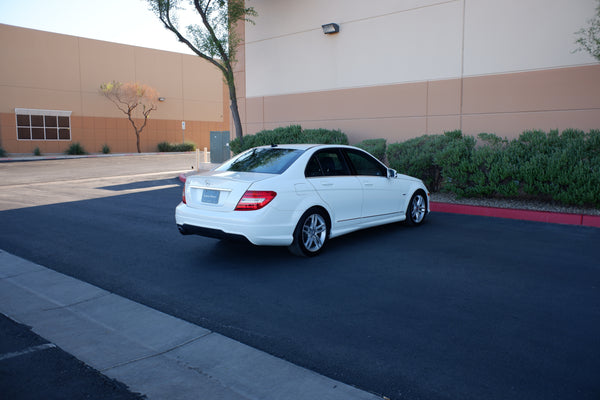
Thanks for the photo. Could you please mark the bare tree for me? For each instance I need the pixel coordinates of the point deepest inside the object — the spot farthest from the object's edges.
(132, 99)
(215, 40)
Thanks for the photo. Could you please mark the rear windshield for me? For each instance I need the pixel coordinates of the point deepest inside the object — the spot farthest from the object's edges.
(264, 160)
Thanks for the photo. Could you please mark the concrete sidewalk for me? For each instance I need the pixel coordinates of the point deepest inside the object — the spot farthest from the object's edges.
(154, 354)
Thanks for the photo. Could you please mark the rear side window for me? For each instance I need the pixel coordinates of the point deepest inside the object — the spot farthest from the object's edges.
(326, 163)
(263, 160)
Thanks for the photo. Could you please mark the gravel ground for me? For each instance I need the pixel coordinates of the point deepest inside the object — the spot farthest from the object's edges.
(515, 204)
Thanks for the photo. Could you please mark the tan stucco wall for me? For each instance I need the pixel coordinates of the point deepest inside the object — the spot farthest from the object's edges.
(503, 104)
(42, 70)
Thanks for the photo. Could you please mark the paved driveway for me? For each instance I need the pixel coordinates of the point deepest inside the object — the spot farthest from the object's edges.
(461, 308)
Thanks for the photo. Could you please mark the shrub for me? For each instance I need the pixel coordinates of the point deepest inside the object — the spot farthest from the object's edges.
(75, 149)
(187, 146)
(166, 147)
(546, 166)
(286, 135)
(561, 167)
(105, 149)
(455, 162)
(415, 157)
(37, 151)
(323, 136)
(2, 152)
(476, 171)
(376, 147)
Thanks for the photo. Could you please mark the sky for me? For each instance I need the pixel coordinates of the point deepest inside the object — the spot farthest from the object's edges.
(120, 21)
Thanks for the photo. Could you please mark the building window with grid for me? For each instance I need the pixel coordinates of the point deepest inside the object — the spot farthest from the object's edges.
(43, 124)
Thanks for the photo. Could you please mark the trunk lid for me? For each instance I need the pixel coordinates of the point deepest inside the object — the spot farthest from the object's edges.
(219, 190)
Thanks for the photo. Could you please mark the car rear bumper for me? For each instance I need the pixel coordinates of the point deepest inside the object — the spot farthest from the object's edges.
(267, 227)
(186, 229)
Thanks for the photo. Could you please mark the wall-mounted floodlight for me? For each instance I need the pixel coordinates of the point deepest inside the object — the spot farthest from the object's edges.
(161, 99)
(330, 28)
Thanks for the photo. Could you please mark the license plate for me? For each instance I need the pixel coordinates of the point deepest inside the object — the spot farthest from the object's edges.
(210, 196)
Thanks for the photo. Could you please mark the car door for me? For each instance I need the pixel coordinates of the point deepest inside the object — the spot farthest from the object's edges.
(328, 172)
(383, 197)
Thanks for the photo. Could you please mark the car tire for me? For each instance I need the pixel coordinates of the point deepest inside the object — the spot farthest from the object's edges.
(310, 234)
(417, 209)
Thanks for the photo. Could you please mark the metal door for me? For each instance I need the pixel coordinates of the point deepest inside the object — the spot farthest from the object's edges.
(219, 146)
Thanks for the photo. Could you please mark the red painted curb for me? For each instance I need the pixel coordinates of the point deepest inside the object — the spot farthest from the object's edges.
(591, 220)
(525, 215)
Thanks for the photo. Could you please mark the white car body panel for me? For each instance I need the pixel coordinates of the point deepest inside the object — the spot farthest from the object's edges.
(343, 195)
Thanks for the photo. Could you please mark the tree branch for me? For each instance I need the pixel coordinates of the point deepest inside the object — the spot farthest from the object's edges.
(209, 28)
(170, 26)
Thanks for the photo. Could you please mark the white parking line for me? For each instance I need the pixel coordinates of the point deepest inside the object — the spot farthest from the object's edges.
(173, 174)
(29, 350)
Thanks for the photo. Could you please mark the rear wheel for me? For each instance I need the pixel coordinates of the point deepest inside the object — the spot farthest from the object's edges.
(310, 234)
(417, 209)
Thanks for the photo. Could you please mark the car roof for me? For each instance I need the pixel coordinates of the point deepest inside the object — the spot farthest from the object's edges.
(302, 146)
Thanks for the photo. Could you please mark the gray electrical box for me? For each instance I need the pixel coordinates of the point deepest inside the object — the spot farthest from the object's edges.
(219, 146)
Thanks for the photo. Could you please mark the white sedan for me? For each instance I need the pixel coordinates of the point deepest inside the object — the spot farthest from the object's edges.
(298, 196)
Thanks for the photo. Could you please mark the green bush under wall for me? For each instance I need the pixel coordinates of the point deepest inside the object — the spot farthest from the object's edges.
(75, 149)
(563, 168)
(166, 147)
(415, 157)
(287, 135)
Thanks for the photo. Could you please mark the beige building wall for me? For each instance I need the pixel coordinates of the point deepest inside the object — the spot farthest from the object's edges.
(47, 71)
(402, 68)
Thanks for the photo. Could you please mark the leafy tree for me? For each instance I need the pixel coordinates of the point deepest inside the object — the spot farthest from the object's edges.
(589, 37)
(132, 98)
(215, 40)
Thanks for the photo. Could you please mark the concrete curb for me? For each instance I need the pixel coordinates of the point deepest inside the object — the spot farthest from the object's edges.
(509, 213)
(69, 157)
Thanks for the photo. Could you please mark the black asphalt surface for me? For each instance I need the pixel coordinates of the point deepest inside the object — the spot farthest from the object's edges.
(463, 307)
(32, 368)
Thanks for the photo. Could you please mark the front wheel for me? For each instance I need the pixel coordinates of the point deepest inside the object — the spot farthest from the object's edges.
(417, 209)
(310, 234)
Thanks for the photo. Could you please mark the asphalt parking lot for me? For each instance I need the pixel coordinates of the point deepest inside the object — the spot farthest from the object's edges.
(33, 368)
(463, 307)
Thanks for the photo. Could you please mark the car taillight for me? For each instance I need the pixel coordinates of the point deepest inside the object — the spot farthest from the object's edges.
(183, 196)
(255, 200)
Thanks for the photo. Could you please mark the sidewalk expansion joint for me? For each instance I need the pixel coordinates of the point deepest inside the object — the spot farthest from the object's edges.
(156, 354)
(66, 306)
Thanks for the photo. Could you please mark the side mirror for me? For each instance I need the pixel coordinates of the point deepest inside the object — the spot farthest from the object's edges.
(391, 173)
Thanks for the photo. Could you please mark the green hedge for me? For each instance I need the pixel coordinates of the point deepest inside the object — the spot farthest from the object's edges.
(561, 167)
(75, 149)
(286, 135)
(415, 157)
(166, 147)
(545, 166)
